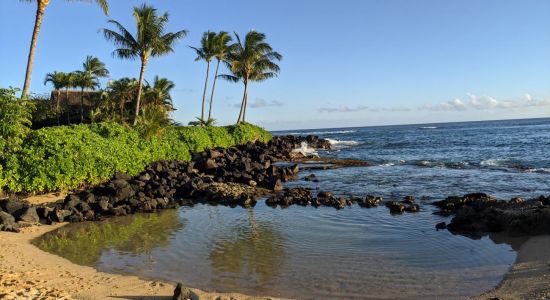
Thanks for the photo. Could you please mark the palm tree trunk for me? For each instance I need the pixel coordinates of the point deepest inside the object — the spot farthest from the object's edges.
(242, 103)
(205, 87)
(58, 92)
(67, 106)
(82, 105)
(245, 102)
(141, 73)
(213, 87)
(41, 8)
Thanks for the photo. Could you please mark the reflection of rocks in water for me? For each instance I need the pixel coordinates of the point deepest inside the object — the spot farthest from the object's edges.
(257, 250)
(83, 243)
(502, 238)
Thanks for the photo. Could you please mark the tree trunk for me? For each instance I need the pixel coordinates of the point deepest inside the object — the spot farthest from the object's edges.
(213, 87)
(67, 106)
(58, 92)
(242, 103)
(245, 102)
(82, 105)
(205, 87)
(41, 8)
(140, 87)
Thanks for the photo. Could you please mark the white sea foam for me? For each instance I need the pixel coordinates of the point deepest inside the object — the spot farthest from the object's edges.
(429, 127)
(493, 162)
(342, 144)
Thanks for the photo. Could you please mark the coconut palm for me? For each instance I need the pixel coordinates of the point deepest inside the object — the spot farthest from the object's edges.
(220, 51)
(40, 10)
(69, 82)
(251, 60)
(150, 41)
(57, 79)
(159, 94)
(122, 91)
(206, 53)
(88, 78)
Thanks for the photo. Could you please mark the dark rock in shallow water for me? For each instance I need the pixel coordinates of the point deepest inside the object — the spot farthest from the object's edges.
(181, 293)
(478, 214)
(370, 201)
(441, 226)
(395, 207)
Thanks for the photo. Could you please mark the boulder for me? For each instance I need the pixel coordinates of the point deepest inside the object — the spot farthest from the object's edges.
(30, 215)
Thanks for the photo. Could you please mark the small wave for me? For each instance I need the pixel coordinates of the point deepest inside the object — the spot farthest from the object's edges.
(429, 127)
(493, 162)
(323, 132)
(344, 143)
(538, 170)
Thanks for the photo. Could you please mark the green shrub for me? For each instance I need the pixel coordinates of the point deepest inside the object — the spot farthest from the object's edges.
(15, 121)
(67, 157)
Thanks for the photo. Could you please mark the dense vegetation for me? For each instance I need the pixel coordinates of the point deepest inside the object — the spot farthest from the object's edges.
(66, 157)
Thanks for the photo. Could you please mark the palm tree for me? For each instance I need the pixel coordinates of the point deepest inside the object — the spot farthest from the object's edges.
(57, 79)
(40, 10)
(159, 94)
(251, 60)
(206, 53)
(68, 82)
(151, 41)
(220, 51)
(122, 91)
(88, 78)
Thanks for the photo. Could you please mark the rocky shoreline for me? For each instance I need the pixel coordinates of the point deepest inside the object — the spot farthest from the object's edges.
(478, 214)
(242, 174)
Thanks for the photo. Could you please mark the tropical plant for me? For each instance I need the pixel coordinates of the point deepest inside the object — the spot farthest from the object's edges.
(57, 79)
(220, 51)
(251, 60)
(88, 78)
(159, 94)
(121, 92)
(206, 53)
(150, 41)
(69, 82)
(15, 121)
(40, 10)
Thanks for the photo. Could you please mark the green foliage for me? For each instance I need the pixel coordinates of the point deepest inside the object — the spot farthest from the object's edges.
(244, 132)
(67, 157)
(15, 121)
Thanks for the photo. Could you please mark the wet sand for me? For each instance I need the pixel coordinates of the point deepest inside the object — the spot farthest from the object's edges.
(27, 272)
(529, 277)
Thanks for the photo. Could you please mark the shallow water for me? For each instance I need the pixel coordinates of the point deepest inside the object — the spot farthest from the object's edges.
(355, 253)
(305, 253)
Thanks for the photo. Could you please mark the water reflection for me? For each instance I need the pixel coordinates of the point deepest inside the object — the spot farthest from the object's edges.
(257, 250)
(84, 243)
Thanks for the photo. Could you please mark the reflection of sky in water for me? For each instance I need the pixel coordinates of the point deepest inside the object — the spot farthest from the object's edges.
(310, 253)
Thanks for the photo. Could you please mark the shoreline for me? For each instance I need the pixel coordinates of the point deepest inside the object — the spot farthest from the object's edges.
(529, 276)
(28, 272)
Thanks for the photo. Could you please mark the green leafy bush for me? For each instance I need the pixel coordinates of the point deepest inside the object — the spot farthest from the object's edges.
(15, 121)
(67, 157)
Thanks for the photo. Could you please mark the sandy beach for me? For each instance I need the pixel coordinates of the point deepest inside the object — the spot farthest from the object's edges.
(26, 272)
(529, 277)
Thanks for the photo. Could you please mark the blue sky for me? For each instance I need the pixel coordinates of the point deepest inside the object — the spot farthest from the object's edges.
(346, 62)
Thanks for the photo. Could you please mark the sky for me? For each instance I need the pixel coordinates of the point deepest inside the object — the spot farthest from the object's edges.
(345, 63)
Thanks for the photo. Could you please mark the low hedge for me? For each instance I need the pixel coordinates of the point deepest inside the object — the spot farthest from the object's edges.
(67, 157)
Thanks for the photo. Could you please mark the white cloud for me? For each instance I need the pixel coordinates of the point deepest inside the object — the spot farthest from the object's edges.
(476, 102)
(260, 103)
